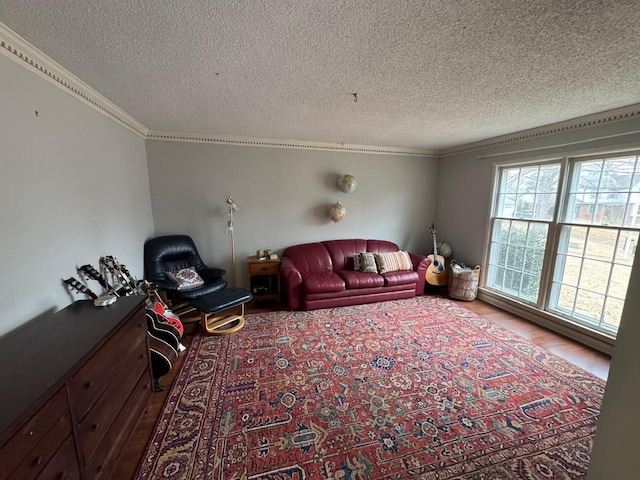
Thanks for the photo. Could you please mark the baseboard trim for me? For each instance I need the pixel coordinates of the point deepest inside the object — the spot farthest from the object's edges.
(575, 332)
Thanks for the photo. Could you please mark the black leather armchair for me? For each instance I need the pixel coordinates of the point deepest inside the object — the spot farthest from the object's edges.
(174, 252)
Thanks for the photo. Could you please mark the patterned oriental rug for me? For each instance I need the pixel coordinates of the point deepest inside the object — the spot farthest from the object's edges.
(419, 388)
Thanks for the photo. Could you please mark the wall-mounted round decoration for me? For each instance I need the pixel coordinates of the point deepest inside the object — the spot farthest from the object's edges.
(347, 183)
(336, 212)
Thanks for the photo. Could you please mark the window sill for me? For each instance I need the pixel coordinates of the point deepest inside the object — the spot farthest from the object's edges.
(579, 333)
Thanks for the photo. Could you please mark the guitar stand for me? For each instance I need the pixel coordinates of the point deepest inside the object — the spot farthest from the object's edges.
(214, 303)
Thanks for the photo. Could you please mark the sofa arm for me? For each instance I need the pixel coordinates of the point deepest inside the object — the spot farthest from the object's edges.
(420, 265)
(292, 279)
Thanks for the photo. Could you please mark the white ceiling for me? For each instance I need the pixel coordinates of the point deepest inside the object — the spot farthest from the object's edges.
(428, 74)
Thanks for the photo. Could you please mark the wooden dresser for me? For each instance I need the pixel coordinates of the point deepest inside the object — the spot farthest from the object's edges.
(73, 386)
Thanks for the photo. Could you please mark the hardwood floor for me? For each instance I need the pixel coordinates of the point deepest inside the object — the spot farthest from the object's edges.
(590, 360)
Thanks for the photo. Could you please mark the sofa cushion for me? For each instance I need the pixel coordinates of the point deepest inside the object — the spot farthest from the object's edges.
(355, 279)
(342, 252)
(379, 246)
(309, 257)
(393, 261)
(401, 277)
(322, 282)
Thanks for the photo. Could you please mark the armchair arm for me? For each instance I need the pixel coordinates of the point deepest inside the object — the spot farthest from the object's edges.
(420, 265)
(211, 274)
(292, 279)
(165, 285)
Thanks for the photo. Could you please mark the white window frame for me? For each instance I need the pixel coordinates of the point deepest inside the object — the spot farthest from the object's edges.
(554, 228)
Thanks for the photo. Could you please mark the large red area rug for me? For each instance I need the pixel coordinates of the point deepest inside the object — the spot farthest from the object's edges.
(419, 388)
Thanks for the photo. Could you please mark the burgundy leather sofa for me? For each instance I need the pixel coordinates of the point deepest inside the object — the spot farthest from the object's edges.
(321, 275)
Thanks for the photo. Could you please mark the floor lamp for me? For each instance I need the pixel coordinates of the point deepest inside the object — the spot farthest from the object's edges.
(232, 208)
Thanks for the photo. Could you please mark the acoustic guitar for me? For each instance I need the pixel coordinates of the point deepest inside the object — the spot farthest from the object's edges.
(436, 273)
(164, 342)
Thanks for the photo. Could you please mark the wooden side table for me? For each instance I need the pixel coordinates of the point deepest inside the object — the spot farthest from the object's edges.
(264, 279)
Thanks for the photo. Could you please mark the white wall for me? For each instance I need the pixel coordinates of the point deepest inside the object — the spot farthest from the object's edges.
(463, 208)
(282, 195)
(73, 187)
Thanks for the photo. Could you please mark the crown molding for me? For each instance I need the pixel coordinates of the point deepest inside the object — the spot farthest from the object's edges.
(622, 113)
(295, 144)
(19, 50)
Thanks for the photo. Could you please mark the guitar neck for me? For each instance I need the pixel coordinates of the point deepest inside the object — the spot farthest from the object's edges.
(74, 284)
(90, 272)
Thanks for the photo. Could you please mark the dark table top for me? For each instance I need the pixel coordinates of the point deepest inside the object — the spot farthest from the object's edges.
(34, 360)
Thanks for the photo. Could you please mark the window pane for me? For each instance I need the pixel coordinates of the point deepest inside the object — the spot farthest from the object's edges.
(544, 206)
(515, 257)
(577, 240)
(524, 205)
(601, 244)
(506, 205)
(594, 276)
(613, 313)
(589, 306)
(568, 270)
(626, 247)
(537, 237)
(566, 299)
(510, 184)
(588, 176)
(581, 208)
(617, 174)
(496, 276)
(548, 179)
(619, 281)
(518, 233)
(512, 282)
(528, 180)
(530, 286)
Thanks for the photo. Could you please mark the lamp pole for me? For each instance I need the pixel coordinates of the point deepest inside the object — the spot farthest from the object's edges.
(232, 207)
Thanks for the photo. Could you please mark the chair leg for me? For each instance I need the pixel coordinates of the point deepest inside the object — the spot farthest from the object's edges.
(214, 324)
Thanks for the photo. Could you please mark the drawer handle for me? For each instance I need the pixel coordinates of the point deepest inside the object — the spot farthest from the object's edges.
(88, 385)
(30, 432)
(264, 269)
(38, 461)
(96, 427)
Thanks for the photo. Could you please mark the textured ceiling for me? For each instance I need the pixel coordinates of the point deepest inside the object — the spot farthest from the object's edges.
(428, 74)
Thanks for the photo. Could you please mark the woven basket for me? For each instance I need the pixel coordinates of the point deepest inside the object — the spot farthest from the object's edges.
(463, 282)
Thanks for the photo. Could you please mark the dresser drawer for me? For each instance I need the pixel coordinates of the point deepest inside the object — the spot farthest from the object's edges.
(90, 381)
(101, 465)
(264, 268)
(35, 461)
(97, 422)
(53, 417)
(63, 465)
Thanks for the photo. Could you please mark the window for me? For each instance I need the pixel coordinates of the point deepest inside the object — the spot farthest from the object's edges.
(574, 262)
(526, 202)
